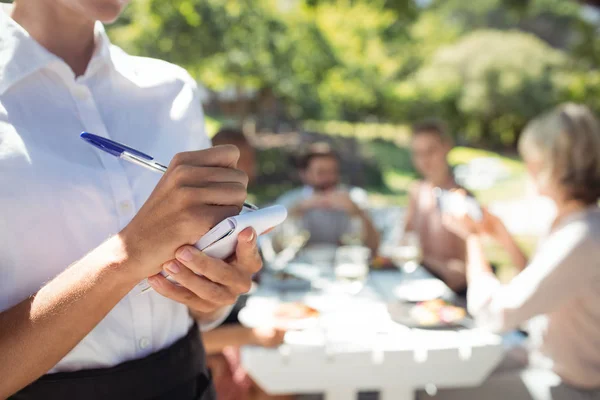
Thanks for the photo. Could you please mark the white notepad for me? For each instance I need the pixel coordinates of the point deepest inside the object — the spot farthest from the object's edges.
(221, 241)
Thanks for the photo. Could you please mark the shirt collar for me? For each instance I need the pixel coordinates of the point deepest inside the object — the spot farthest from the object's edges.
(21, 55)
(307, 191)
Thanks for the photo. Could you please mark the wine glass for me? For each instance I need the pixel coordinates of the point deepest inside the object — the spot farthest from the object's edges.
(289, 238)
(290, 233)
(408, 254)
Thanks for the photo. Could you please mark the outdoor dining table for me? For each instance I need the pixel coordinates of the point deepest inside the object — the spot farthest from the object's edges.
(355, 345)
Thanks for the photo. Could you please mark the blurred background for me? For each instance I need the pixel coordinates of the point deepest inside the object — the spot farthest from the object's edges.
(357, 73)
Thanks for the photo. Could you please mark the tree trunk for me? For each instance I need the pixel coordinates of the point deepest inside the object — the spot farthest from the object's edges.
(486, 133)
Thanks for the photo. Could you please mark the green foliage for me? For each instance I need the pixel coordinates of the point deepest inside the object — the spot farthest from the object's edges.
(364, 63)
(360, 131)
(329, 60)
(221, 42)
(489, 84)
(486, 66)
(212, 125)
(582, 86)
(552, 20)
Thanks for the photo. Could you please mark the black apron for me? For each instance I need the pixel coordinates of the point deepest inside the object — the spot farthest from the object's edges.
(176, 373)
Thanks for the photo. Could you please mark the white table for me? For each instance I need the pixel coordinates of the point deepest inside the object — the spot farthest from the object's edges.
(356, 347)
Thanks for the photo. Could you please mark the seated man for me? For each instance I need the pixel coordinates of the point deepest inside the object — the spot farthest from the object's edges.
(326, 207)
(443, 251)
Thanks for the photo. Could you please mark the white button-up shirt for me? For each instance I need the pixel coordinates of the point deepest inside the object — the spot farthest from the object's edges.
(60, 197)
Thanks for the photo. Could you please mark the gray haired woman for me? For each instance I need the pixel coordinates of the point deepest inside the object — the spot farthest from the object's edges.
(560, 286)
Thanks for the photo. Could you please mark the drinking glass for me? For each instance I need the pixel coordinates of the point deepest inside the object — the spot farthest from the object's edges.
(284, 243)
(354, 234)
(408, 254)
(291, 233)
(352, 267)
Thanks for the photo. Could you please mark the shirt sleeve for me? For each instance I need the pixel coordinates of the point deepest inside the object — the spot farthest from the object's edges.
(360, 197)
(566, 264)
(290, 199)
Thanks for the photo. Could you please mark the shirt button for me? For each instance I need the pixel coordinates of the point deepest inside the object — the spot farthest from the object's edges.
(125, 206)
(81, 92)
(144, 343)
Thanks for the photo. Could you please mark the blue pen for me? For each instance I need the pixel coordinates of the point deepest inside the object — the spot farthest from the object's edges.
(132, 155)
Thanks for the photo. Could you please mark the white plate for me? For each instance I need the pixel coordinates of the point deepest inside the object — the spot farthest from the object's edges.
(420, 290)
(303, 270)
(264, 317)
(401, 313)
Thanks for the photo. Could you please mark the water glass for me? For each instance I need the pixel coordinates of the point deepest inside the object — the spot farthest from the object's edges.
(354, 233)
(352, 267)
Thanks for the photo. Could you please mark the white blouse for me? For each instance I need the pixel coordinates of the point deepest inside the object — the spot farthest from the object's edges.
(562, 284)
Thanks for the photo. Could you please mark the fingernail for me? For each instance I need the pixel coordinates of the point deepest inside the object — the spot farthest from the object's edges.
(184, 254)
(251, 237)
(172, 267)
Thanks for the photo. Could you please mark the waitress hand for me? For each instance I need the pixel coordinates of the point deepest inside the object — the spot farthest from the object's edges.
(199, 190)
(220, 283)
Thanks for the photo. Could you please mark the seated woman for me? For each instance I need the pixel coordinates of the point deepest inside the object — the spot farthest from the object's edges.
(561, 284)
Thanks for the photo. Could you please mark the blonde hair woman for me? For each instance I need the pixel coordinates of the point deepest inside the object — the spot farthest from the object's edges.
(562, 282)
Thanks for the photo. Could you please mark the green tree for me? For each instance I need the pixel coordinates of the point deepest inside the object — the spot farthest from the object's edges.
(554, 21)
(221, 42)
(582, 86)
(365, 62)
(392, 59)
(562, 24)
(487, 85)
(324, 60)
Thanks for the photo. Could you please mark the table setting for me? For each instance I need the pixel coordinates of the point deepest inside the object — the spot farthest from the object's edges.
(360, 323)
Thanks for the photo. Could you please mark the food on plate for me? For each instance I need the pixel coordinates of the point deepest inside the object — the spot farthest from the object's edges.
(437, 312)
(381, 262)
(295, 311)
(284, 276)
